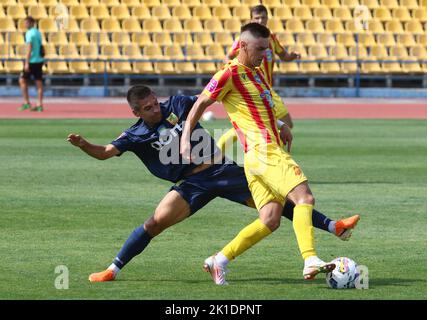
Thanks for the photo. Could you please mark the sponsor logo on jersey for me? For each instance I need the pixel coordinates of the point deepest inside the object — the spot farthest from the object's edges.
(172, 119)
(212, 85)
(269, 55)
(267, 96)
(166, 136)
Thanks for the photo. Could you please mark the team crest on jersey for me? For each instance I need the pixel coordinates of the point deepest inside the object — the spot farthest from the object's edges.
(267, 95)
(258, 79)
(269, 55)
(172, 119)
(212, 85)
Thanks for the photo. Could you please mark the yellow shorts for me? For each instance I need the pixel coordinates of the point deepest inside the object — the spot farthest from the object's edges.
(271, 173)
(280, 108)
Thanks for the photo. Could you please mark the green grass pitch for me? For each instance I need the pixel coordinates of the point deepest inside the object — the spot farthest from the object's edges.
(60, 207)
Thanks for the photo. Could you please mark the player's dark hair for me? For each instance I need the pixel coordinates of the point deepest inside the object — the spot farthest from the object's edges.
(256, 29)
(30, 19)
(137, 93)
(258, 9)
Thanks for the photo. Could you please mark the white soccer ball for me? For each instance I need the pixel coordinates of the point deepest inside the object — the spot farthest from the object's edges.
(208, 116)
(344, 274)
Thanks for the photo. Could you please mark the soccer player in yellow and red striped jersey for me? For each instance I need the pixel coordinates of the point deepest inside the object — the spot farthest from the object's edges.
(273, 176)
(259, 14)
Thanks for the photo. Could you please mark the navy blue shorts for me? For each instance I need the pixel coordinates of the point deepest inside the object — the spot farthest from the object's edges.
(220, 180)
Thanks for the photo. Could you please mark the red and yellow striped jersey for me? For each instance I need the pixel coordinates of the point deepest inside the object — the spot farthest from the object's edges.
(267, 65)
(247, 98)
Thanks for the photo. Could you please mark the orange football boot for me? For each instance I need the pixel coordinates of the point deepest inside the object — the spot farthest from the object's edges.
(343, 227)
(106, 275)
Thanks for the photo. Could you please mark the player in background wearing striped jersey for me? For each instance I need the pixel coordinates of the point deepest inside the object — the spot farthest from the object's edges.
(259, 14)
(273, 176)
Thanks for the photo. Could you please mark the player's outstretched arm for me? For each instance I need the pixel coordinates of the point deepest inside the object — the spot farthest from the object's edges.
(289, 56)
(99, 152)
(193, 117)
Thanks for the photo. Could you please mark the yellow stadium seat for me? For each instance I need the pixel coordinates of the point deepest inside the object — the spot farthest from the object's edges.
(250, 3)
(49, 3)
(303, 13)
(172, 25)
(13, 66)
(211, 3)
(391, 66)
(406, 40)
(182, 12)
(141, 13)
(291, 3)
(242, 12)
(317, 51)
(330, 67)
(68, 51)
(27, 3)
(151, 3)
(284, 13)
(334, 25)
(298, 48)
(326, 38)
(153, 51)
(110, 3)
(206, 68)
(21, 50)
(37, 11)
(184, 67)
(322, 13)
(110, 51)
(110, 25)
(409, 4)
(203, 38)
(331, 3)
(350, 3)
(306, 38)
(371, 4)
(343, 13)
(14, 38)
(47, 25)
(99, 66)
(379, 52)
(311, 3)
(421, 39)
(141, 67)
(371, 67)
(89, 51)
(79, 38)
(221, 12)
(58, 38)
(79, 12)
(394, 26)
(100, 38)
(193, 25)
(360, 51)
(194, 52)
(391, 4)
(1, 39)
(309, 67)
(285, 38)
(69, 3)
(402, 14)
(275, 25)
(223, 38)
(131, 25)
(2, 12)
(338, 51)
(164, 67)
(382, 14)
(78, 67)
(162, 39)
(16, 12)
(90, 25)
(132, 51)
(202, 12)
(215, 51)
(412, 67)
(366, 39)
(348, 66)
(152, 25)
(89, 3)
(418, 51)
(288, 67)
(399, 52)
(71, 26)
(120, 38)
(233, 3)
(414, 27)
(386, 39)
(420, 14)
(213, 25)
(173, 51)
(6, 50)
(21, 25)
(122, 67)
(232, 25)
(59, 67)
(314, 25)
(182, 38)
(171, 3)
(120, 12)
(131, 3)
(141, 38)
(375, 26)
(50, 51)
(191, 3)
(99, 12)
(161, 12)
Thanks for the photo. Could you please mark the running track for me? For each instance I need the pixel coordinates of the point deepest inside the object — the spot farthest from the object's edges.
(300, 108)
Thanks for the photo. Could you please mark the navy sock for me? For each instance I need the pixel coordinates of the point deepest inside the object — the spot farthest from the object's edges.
(320, 221)
(134, 245)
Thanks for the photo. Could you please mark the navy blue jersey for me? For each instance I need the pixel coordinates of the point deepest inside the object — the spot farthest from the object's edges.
(159, 147)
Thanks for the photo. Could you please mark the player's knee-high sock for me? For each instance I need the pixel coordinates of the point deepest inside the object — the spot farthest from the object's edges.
(227, 138)
(246, 238)
(320, 221)
(134, 245)
(303, 228)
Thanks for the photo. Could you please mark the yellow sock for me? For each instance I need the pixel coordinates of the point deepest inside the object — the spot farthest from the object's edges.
(246, 238)
(304, 231)
(227, 138)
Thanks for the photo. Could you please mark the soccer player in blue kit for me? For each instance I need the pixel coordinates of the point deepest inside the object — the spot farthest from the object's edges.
(154, 138)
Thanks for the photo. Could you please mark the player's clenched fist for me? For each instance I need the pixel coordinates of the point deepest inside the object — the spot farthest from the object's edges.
(76, 140)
